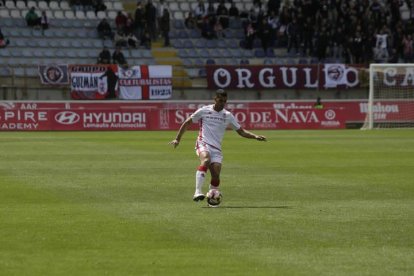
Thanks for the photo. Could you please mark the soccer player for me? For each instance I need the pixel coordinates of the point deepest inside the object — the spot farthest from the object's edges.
(213, 120)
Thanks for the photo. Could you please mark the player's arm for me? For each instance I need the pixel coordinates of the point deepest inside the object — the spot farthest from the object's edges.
(247, 134)
(184, 126)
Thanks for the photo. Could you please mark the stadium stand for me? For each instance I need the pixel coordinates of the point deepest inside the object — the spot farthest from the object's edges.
(72, 36)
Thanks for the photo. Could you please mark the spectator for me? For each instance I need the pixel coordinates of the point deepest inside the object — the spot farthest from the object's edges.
(104, 56)
(381, 45)
(190, 21)
(132, 41)
(146, 39)
(111, 80)
(165, 27)
(118, 57)
(223, 14)
(139, 21)
(250, 35)
(357, 48)
(211, 12)
(337, 43)
(273, 6)
(273, 22)
(234, 11)
(121, 40)
(218, 30)
(32, 19)
(99, 6)
(200, 11)
(207, 30)
(308, 32)
(160, 13)
(105, 30)
(129, 24)
(408, 52)
(120, 21)
(264, 34)
(322, 41)
(318, 104)
(292, 31)
(3, 41)
(151, 19)
(44, 21)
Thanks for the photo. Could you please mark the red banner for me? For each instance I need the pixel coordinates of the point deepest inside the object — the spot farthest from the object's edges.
(170, 115)
(283, 76)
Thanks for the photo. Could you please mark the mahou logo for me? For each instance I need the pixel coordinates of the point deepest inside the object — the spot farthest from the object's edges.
(67, 117)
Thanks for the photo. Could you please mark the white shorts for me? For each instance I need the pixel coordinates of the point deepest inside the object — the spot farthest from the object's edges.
(215, 153)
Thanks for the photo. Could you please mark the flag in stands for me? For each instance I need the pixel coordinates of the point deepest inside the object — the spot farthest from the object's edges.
(53, 74)
(153, 82)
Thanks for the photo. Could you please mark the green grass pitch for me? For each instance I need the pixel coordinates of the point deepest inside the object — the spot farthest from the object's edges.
(120, 203)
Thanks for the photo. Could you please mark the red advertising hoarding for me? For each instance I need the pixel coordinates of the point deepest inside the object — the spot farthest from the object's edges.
(170, 115)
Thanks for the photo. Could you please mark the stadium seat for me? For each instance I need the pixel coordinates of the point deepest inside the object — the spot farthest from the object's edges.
(15, 14)
(192, 53)
(101, 15)
(187, 62)
(32, 71)
(270, 52)
(118, 6)
(31, 4)
(5, 52)
(59, 14)
(90, 15)
(210, 61)
(54, 5)
(10, 4)
(64, 5)
(182, 53)
(267, 61)
(194, 33)
(179, 24)
(111, 15)
(20, 5)
(259, 53)
(211, 43)
(204, 53)
(43, 6)
(185, 6)
(174, 7)
(4, 13)
(146, 54)
(244, 62)
(80, 15)
(109, 5)
(5, 71)
(70, 15)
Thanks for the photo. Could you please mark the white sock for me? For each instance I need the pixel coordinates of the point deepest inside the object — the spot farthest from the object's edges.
(200, 177)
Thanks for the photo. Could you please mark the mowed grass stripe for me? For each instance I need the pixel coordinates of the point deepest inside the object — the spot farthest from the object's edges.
(304, 203)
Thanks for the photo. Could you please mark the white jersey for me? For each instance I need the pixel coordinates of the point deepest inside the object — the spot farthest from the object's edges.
(213, 124)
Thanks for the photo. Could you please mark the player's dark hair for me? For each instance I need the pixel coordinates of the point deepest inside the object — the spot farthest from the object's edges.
(221, 93)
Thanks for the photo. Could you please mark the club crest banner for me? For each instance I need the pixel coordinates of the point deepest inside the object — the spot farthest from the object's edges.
(53, 74)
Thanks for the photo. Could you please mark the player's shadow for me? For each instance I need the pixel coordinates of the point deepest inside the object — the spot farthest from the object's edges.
(252, 207)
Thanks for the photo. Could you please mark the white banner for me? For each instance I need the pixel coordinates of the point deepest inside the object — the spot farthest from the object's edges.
(145, 82)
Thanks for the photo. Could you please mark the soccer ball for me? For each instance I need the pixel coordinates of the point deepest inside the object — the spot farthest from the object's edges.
(214, 197)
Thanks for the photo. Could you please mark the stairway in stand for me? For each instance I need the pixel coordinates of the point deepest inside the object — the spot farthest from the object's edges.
(168, 56)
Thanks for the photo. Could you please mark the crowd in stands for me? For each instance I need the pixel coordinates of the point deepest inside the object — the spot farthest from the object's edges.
(149, 22)
(354, 31)
(88, 5)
